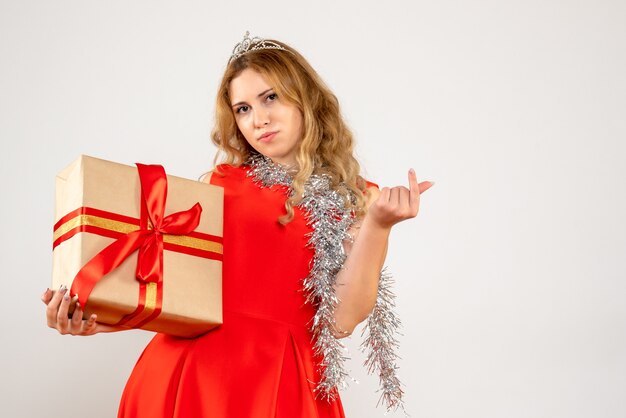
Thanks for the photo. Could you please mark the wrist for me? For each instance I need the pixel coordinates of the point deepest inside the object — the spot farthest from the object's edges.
(376, 227)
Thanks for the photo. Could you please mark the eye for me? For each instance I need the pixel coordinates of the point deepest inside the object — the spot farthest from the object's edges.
(273, 95)
(239, 108)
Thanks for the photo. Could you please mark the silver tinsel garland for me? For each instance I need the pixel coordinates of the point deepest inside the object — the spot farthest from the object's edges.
(325, 212)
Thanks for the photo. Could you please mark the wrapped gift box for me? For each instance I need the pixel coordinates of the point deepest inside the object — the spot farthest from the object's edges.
(99, 202)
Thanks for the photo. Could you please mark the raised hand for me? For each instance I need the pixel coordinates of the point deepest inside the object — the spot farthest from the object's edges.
(399, 203)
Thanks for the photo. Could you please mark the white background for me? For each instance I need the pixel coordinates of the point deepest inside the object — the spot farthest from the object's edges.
(510, 281)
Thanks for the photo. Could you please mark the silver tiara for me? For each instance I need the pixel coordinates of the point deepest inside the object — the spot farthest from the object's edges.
(252, 44)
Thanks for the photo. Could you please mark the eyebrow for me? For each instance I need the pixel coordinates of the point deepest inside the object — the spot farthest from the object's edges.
(259, 95)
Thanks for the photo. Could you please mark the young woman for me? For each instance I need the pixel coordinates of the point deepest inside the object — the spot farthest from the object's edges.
(305, 239)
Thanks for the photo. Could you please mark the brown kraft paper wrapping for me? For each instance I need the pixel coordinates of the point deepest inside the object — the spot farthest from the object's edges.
(192, 285)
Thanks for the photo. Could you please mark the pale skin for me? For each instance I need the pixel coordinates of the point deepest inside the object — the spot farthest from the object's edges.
(258, 110)
(57, 307)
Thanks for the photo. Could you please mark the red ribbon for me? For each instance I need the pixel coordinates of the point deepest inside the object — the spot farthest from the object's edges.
(149, 241)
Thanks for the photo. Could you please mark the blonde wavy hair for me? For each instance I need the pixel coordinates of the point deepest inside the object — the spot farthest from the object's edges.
(327, 144)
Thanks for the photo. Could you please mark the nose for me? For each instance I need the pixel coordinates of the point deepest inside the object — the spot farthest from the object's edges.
(261, 119)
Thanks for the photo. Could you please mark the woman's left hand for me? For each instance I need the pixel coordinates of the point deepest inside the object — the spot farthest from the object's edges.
(397, 204)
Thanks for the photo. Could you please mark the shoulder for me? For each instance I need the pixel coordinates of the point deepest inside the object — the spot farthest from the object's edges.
(223, 170)
(206, 177)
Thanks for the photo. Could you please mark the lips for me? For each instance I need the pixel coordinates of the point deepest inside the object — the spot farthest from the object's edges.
(267, 136)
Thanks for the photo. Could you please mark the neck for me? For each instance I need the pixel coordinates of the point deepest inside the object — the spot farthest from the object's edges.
(290, 166)
(292, 169)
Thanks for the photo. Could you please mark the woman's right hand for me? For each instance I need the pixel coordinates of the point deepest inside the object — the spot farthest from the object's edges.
(57, 316)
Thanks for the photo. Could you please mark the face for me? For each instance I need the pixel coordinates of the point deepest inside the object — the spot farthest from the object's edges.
(259, 111)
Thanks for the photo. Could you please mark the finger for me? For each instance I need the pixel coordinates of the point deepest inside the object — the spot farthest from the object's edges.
(404, 198)
(90, 324)
(62, 317)
(414, 192)
(425, 185)
(77, 317)
(53, 307)
(394, 198)
(413, 186)
(384, 195)
(47, 295)
(57, 296)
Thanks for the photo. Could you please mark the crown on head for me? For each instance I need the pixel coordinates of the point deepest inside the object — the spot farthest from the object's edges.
(252, 44)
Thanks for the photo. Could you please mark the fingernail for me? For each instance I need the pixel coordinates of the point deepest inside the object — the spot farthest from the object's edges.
(66, 297)
(77, 305)
(412, 171)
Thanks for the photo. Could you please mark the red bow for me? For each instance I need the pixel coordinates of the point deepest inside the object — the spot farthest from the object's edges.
(148, 240)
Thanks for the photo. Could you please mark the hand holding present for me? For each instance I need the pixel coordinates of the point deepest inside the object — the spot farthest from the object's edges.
(57, 309)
